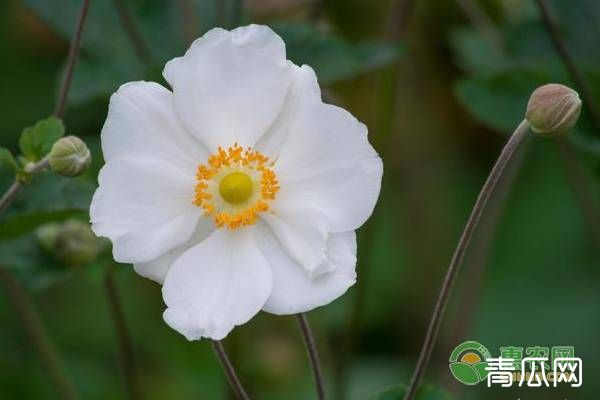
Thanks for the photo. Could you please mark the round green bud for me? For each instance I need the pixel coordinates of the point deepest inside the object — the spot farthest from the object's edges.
(47, 235)
(72, 242)
(69, 156)
(553, 109)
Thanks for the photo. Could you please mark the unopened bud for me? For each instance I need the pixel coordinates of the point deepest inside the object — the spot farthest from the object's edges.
(69, 156)
(72, 242)
(553, 109)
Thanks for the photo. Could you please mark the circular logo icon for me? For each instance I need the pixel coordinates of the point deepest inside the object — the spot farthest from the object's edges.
(468, 362)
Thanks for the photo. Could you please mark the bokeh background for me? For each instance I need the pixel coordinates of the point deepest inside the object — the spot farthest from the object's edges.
(440, 84)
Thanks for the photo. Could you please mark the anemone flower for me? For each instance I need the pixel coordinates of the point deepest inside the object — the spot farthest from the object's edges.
(238, 190)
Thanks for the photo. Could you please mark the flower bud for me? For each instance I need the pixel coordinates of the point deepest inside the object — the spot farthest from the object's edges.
(69, 156)
(553, 109)
(72, 242)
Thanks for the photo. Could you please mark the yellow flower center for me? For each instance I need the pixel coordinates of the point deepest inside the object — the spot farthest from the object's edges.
(235, 186)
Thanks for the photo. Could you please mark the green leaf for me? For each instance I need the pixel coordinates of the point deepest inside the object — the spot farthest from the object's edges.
(108, 58)
(22, 224)
(426, 392)
(332, 57)
(31, 264)
(499, 81)
(36, 141)
(7, 159)
(499, 102)
(49, 198)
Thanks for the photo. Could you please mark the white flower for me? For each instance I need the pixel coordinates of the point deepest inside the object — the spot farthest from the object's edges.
(239, 190)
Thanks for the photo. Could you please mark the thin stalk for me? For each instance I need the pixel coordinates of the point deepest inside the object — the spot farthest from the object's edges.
(313, 354)
(38, 335)
(31, 321)
(567, 59)
(234, 381)
(442, 301)
(123, 337)
(13, 191)
(135, 37)
(61, 101)
(74, 48)
(10, 195)
(476, 262)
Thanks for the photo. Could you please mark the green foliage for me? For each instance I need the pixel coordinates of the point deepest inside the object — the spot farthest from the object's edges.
(22, 224)
(8, 159)
(42, 259)
(49, 198)
(541, 256)
(426, 392)
(109, 60)
(36, 141)
(107, 57)
(500, 77)
(31, 264)
(499, 101)
(332, 57)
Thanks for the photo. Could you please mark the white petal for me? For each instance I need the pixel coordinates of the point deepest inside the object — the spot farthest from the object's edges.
(142, 123)
(293, 290)
(328, 162)
(157, 269)
(302, 232)
(144, 207)
(303, 90)
(230, 86)
(218, 284)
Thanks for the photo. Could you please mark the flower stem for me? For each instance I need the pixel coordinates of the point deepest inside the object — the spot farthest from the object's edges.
(135, 37)
(13, 191)
(438, 313)
(19, 297)
(61, 102)
(10, 195)
(475, 263)
(234, 381)
(38, 335)
(569, 63)
(74, 48)
(313, 354)
(124, 339)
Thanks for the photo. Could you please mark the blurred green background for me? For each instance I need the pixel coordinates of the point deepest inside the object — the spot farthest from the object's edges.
(440, 84)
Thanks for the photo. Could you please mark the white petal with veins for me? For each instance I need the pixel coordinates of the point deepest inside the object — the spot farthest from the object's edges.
(218, 284)
(230, 86)
(328, 162)
(144, 207)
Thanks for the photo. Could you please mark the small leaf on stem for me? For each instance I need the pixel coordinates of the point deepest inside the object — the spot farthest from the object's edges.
(36, 141)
